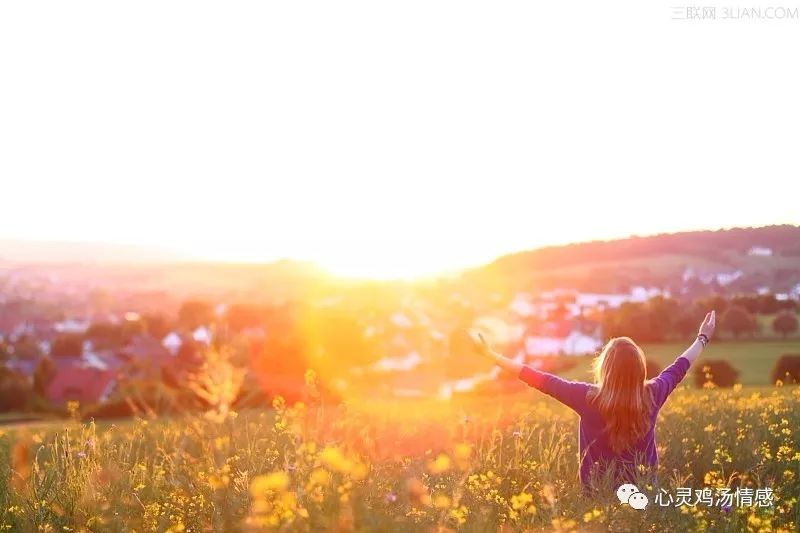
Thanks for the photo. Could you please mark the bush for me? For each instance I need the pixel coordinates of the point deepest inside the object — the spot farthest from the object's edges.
(15, 391)
(719, 372)
(787, 369)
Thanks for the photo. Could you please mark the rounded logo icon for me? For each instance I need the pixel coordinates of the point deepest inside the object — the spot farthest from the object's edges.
(624, 492)
(638, 500)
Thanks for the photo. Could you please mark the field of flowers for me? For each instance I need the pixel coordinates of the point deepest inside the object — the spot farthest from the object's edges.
(471, 465)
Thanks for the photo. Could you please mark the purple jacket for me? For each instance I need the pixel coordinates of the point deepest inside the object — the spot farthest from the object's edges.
(595, 451)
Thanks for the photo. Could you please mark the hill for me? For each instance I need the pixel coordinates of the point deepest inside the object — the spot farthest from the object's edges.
(665, 260)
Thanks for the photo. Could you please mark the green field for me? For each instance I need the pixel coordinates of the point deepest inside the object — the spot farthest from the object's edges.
(753, 359)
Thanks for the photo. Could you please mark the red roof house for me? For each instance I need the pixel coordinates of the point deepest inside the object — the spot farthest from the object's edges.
(84, 384)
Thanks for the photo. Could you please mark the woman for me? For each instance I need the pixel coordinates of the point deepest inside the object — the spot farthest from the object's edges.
(618, 412)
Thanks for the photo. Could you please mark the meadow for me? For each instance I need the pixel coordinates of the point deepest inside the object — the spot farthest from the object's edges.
(753, 359)
(470, 464)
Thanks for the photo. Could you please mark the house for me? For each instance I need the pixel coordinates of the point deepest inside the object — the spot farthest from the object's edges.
(86, 385)
(447, 389)
(202, 335)
(401, 364)
(25, 367)
(71, 326)
(576, 302)
(102, 360)
(761, 251)
(401, 320)
(564, 337)
(522, 306)
(721, 278)
(145, 347)
(726, 278)
(795, 291)
(642, 294)
(172, 342)
(590, 300)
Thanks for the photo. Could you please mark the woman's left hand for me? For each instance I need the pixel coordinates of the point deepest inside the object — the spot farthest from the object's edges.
(480, 345)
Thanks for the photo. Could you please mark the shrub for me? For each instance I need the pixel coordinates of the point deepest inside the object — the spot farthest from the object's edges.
(786, 369)
(718, 371)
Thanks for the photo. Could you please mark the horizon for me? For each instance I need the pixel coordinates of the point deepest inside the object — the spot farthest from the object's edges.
(121, 253)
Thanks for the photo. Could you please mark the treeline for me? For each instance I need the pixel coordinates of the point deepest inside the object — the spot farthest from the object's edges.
(783, 240)
(659, 260)
(662, 319)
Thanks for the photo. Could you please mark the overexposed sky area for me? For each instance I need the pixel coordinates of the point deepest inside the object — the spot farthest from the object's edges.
(391, 138)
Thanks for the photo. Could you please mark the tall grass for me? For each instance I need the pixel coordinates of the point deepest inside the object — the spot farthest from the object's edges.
(395, 466)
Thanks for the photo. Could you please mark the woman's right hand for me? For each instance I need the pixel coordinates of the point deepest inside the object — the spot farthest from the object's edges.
(708, 325)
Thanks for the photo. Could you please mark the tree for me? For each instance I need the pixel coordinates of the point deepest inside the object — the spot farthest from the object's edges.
(5, 351)
(687, 322)
(243, 316)
(768, 304)
(621, 322)
(785, 322)
(738, 321)
(662, 313)
(750, 302)
(67, 345)
(27, 348)
(42, 376)
(559, 312)
(15, 391)
(645, 322)
(156, 325)
(195, 313)
(717, 302)
(105, 335)
(643, 327)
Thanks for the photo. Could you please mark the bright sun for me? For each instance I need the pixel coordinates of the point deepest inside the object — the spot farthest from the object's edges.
(368, 260)
(399, 260)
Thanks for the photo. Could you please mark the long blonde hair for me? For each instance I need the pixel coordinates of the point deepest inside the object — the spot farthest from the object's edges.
(622, 395)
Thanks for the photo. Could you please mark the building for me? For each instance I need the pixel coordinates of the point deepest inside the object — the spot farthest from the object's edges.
(87, 385)
(565, 337)
(761, 251)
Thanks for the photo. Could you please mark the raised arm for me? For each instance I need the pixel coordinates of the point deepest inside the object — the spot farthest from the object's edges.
(483, 348)
(570, 393)
(703, 336)
(669, 378)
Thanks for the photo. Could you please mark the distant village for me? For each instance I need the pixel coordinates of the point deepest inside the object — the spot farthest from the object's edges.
(62, 342)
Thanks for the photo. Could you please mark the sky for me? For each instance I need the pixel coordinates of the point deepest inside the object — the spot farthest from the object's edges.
(387, 139)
